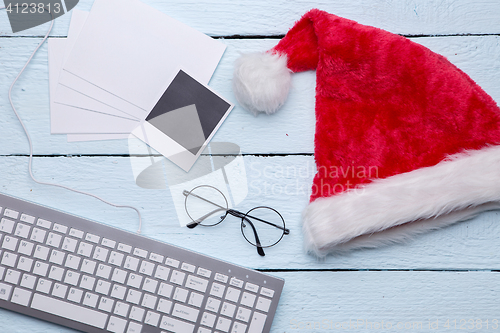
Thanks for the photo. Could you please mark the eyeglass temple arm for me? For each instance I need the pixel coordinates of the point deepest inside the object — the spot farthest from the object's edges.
(239, 214)
(200, 219)
(260, 250)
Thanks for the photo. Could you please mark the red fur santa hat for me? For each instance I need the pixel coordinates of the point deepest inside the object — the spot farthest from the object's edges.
(405, 141)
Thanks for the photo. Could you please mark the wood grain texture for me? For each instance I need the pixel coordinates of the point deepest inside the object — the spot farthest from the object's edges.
(290, 130)
(450, 274)
(260, 17)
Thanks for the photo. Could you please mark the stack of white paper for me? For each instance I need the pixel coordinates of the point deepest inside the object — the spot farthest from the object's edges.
(115, 65)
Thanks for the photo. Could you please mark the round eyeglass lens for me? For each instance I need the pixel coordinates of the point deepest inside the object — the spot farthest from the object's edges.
(206, 205)
(263, 225)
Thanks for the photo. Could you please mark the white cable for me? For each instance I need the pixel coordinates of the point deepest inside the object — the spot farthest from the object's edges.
(31, 145)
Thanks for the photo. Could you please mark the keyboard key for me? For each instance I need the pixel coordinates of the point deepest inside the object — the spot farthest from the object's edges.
(152, 318)
(232, 294)
(131, 263)
(60, 228)
(149, 285)
(9, 243)
(221, 277)
(59, 290)
(196, 283)
(90, 299)
(251, 287)
(75, 295)
(76, 233)
(188, 267)
(68, 310)
(118, 291)
(26, 248)
(92, 238)
(21, 296)
(102, 287)
(22, 230)
(41, 252)
(164, 306)
(185, 312)
(88, 266)
(267, 292)
(228, 309)
(84, 249)
(108, 243)
(100, 253)
(248, 299)
(208, 319)
(162, 273)
(134, 328)
(119, 275)
(57, 257)
(56, 273)
(236, 282)
(44, 223)
(72, 278)
(137, 313)
(54, 239)
(147, 268)
(238, 328)
(72, 262)
(40, 268)
(156, 257)
(176, 326)
(134, 280)
(25, 264)
(27, 218)
(103, 271)
(116, 258)
(69, 244)
(172, 262)
(204, 272)
(263, 304)
(121, 309)
(203, 330)
(87, 282)
(6, 225)
(12, 276)
(257, 323)
(180, 294)
(11, 213)
(106, 304)
(195, 299)
(149, 301)
(134, 296)
(38, 235)
(140, 253)
(223, 324)
(243, 314)
(177, 277)
(217, 289)
(212, 304)
(5, 290)
(165, 290)
(43, 286)
(9, 259)
(116, 325)
(124, 247)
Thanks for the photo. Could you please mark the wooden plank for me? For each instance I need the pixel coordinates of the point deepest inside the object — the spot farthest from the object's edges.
(251, 17)
(280, 182)
(291, 129)
(364, 301)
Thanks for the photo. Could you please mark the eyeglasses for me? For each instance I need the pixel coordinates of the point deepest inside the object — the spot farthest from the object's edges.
(261, 226)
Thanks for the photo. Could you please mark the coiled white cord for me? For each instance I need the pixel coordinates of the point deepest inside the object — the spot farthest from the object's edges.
(31, 145)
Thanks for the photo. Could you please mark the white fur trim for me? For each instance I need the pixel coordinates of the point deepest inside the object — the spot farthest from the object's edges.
(261, 81)
(454, 190)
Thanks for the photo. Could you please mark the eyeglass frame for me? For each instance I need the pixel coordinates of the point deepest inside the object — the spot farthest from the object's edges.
(234, 213)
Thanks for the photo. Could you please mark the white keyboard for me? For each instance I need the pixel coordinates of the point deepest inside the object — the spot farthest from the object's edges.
(95, 278)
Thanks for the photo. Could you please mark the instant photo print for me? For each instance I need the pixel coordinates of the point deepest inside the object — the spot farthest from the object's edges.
(183, 120)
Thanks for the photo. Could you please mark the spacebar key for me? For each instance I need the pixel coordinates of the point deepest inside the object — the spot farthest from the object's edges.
(69, 311)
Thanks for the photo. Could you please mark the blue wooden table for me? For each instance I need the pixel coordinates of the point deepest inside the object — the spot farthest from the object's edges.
(445, 281)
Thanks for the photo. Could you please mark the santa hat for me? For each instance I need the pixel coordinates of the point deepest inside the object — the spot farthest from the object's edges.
(405, 141)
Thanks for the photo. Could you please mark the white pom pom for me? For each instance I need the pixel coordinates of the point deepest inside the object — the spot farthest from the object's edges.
(261, 81)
